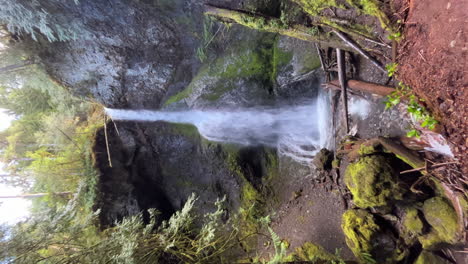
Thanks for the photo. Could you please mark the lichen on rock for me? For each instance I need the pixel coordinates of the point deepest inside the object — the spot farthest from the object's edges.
(444, 223)
(372, 182)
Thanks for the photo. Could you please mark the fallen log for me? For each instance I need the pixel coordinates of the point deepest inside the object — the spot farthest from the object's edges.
(402, 153)
(272, 24)
(363, 87)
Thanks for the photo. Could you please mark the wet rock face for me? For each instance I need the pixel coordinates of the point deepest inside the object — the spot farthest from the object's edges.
(158, 165)
(130, 53)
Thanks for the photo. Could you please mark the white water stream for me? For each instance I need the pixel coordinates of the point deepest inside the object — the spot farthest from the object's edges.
(297, 131)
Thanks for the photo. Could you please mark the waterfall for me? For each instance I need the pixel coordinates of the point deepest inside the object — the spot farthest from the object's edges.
(298, 131)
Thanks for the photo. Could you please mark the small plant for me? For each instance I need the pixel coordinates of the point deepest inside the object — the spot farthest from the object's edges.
(418, 112)
(395, 36)
(391, 69)
(368, 259)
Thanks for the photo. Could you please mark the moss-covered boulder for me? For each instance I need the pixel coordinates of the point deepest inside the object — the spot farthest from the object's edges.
(412, 225)
(427, 257)
(444, 223)
(367, 239)
(372, 182)
(310, 252)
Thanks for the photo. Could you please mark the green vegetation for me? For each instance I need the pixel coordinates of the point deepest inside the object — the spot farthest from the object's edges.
(130, 241)
(312, 252)
(414, 107)
(207, 38)
(372, 8)
(391, 68)
(372, 182)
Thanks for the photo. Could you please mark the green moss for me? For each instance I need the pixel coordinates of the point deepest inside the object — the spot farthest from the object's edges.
(362, 232)
(179, 96)
(409, 162)
(272, 165)
(427, 257)
(372, 182)
(359, 228)
(444, 223)
(336, 163)
(187, 130)
(280, 58)
(368, 149)
(310, 252)
(372, 8)
(315, 7)
(412, 222)
(412, 226)
(251, 200)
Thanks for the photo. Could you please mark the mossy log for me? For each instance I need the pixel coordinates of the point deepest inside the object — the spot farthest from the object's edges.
(402, 152)
(274, 25)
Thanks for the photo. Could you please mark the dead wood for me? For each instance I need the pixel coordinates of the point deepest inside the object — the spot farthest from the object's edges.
(356, 47)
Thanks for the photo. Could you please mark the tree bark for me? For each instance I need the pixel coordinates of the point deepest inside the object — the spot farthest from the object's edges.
(356, 47)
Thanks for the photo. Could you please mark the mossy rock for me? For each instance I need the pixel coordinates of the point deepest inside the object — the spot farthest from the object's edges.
(369, 147)
(427, 257)
(444, 223)
(412, 225)
(367, 239)
(310, 252)
(372, 182)
(323, 159)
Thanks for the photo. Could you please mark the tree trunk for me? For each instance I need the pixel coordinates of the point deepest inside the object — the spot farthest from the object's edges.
(274, 25)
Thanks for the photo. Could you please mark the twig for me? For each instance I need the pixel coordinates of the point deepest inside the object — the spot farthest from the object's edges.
(107, 142)
(342, 78)
(322, 62)
(427, 167)
(356, 47)
(69, 138)
(116, 129)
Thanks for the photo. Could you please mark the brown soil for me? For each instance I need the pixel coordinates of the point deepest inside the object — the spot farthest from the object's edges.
(310, 210)
(433, 61)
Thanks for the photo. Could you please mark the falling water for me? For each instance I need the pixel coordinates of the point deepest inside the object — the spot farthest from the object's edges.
(297, 131)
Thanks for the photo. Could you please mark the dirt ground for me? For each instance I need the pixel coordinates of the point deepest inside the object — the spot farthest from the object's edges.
(433, 61)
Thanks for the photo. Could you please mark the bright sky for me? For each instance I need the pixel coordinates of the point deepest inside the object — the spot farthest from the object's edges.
(11, 210)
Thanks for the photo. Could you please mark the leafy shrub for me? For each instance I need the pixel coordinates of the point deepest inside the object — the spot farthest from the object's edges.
(418, 112)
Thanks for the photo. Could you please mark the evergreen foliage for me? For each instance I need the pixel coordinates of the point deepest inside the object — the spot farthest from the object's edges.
(33, 17)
